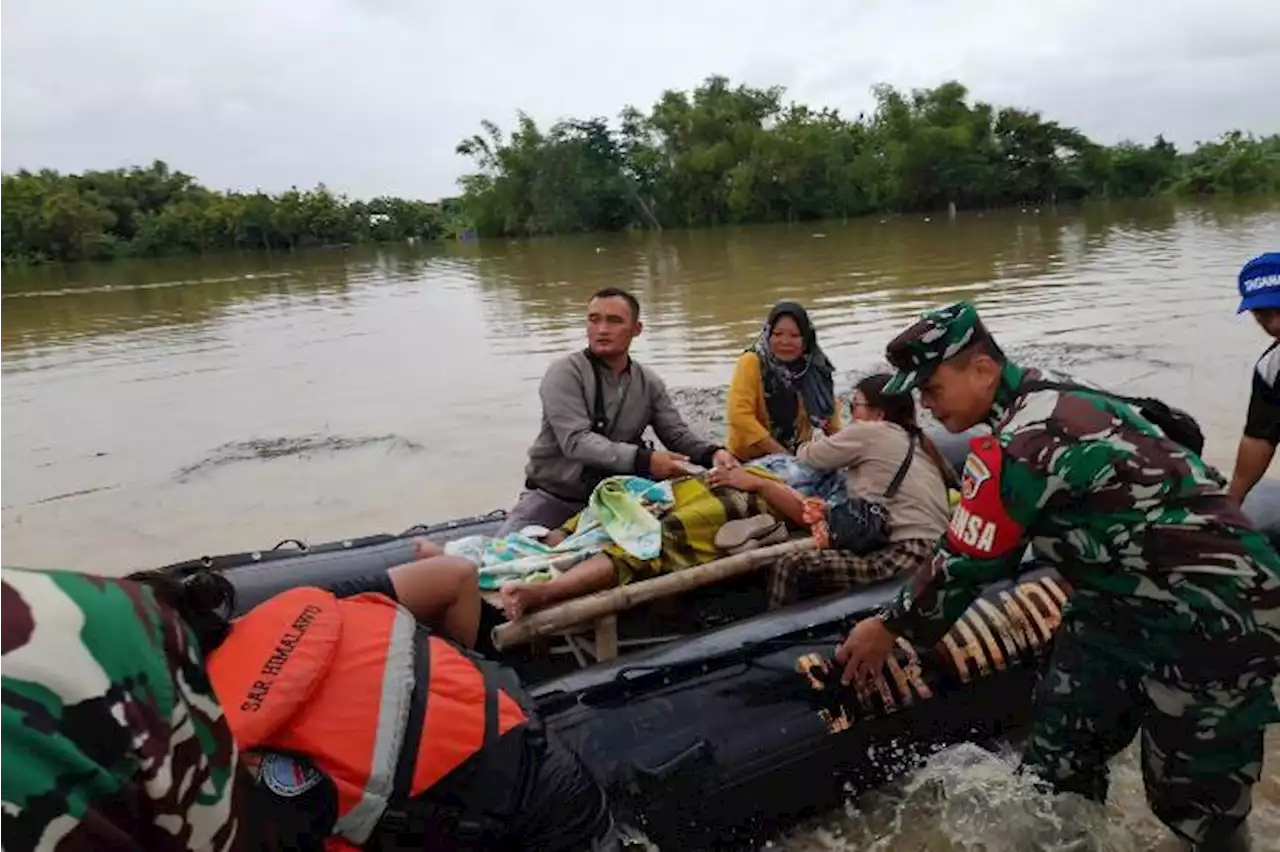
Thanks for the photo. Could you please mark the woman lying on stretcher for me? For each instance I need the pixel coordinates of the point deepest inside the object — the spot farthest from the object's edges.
(713, 513)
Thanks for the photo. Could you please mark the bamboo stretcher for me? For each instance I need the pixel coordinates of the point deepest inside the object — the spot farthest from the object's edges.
(594, 618)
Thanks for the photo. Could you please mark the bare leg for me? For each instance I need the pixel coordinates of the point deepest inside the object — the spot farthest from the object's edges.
(442, 592)
(590, 575)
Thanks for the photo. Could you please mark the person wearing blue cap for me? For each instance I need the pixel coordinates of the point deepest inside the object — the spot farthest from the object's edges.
(1259, 285)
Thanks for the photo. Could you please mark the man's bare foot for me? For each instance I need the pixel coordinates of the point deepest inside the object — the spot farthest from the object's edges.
(518, 599)
(426, 549)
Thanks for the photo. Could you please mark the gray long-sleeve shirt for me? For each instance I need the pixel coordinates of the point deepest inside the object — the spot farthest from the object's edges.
(566, 446)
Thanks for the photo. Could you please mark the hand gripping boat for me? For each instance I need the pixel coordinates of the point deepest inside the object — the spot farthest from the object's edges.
(712, 721)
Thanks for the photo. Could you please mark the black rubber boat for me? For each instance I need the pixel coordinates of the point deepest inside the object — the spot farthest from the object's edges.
(728, 723)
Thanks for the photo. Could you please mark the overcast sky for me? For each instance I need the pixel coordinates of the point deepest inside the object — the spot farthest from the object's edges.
(372, 96)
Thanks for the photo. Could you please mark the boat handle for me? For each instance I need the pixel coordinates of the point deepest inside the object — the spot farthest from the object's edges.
(663, 771)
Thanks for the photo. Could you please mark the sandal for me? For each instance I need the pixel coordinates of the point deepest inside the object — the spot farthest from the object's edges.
(734, 534)
(777, 535)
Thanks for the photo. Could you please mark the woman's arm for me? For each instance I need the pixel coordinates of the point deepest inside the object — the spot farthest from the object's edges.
(836, 422)
(783, 498)
(747, 437)
(780, 496)
(833, 452)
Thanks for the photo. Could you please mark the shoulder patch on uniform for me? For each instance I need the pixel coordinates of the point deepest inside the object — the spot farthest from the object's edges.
(976, 472)
(287, 776)
(981, 526)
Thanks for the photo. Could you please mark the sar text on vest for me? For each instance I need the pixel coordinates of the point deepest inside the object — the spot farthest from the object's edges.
(274, 665)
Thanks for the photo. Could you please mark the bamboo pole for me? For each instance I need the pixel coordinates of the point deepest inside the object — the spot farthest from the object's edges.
(606, 629)
(545, 622)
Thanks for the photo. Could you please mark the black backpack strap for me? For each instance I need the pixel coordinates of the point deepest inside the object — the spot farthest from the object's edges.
(1176, 424)
(599, 420)
(409, 819)
(902, 468)
(407, 760)
(1044, 384)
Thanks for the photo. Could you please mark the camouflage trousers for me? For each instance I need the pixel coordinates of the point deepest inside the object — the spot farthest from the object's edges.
(1202, 744)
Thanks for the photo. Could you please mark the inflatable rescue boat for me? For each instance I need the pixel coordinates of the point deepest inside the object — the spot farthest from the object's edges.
(711, 721)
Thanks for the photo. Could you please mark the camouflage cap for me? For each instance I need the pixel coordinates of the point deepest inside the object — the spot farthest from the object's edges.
(935, 337)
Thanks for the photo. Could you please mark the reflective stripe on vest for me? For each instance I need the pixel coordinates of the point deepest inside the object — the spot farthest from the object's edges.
(357, 824)
(378, 705)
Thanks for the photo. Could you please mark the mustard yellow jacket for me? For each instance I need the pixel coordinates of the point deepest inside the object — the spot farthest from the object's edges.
(748, 418)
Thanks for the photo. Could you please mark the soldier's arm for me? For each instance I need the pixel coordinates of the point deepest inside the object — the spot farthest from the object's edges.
(1002, 497)
(216, 821)
(113, 736)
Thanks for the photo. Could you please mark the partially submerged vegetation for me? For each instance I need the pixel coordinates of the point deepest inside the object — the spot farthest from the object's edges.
(718, 155)
(724, 155)
(154, 211)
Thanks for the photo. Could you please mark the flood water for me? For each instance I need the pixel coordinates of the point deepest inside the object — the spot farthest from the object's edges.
(155, 411)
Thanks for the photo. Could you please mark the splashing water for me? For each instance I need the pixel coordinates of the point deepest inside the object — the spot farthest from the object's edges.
(968, 798)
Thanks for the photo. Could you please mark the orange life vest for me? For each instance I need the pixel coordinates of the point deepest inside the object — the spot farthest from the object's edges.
(381, 708)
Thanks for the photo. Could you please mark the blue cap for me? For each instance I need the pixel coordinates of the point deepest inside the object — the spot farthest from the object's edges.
(1260, 283)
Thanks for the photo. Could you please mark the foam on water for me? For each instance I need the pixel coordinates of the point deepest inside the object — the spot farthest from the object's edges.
(966, 798)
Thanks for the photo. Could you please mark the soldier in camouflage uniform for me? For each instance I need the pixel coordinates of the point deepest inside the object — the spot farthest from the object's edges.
(1173, 627)
(112, 737)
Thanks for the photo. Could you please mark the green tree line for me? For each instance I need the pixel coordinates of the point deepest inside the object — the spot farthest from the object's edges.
(156, 211)
(716, 155)
(722, 155)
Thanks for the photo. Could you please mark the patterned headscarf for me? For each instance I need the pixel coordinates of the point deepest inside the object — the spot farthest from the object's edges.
(809, 377)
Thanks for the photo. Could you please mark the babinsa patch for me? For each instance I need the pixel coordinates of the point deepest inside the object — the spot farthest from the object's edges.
(287, 776)
(976, 472)
(980, 526)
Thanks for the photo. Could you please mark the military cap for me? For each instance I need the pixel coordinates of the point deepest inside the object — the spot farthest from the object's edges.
(938, 335)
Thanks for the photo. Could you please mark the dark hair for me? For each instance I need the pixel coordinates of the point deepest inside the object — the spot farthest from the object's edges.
(204, 599)
(900, 409)
(616, 293)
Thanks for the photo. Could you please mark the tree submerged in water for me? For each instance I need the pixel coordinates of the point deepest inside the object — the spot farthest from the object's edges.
(718, 155)
(155, 211)
(723, 155)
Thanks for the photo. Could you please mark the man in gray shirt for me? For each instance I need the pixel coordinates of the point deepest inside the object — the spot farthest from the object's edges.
(596, 404)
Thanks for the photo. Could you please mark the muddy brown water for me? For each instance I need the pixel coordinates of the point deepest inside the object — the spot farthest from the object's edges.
(155, 411)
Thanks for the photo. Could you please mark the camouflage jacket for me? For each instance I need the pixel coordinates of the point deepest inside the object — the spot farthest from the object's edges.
(1166, 569)
(112, 736)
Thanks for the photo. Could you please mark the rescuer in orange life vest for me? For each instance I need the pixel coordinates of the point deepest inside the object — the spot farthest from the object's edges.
(366, 729)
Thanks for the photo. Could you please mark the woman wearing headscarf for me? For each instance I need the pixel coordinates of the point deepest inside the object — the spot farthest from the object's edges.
(782, 392)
